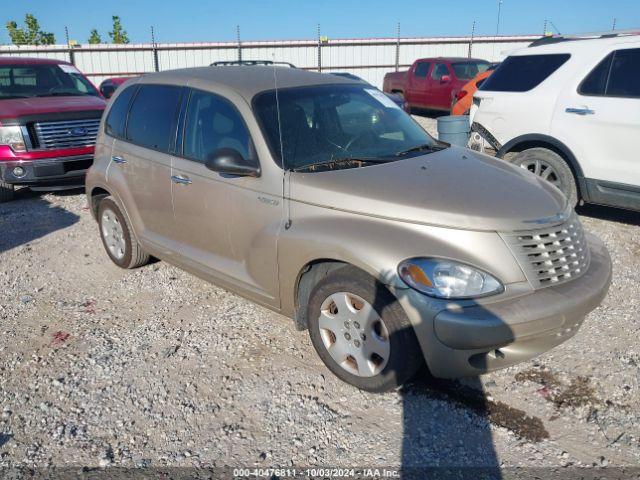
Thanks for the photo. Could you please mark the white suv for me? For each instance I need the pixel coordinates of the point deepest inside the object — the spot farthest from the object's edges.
(568, 110)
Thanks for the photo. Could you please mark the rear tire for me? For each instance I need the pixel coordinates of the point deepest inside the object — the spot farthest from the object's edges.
(117, 236)
(550, 166)
(363, 336)
(7, 192)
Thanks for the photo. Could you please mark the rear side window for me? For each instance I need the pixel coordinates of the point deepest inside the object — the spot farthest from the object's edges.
(439, 71)
(153, 115)
(596, 81)
(422, 69)
(117, 118)
(624, 80)
(615, 76)
(524, 72)
(213, 123)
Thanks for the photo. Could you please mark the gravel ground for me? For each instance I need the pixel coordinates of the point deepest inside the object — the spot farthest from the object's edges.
(101, 366)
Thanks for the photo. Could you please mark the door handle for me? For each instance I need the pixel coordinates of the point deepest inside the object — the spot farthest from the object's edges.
(580, 111)
(181, 180)
(117, 159)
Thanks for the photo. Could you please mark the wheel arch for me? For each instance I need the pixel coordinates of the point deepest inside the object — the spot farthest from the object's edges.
(308, 276)
(95, 195)
(536, 140)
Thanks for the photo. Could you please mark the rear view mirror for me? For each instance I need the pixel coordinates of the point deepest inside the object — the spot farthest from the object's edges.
(231, 162)
(445, 79)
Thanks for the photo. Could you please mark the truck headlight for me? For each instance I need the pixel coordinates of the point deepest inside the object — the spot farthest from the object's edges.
(12, 136)
(448, 279)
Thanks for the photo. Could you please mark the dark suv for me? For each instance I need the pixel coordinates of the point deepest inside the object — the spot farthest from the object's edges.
(49, 118)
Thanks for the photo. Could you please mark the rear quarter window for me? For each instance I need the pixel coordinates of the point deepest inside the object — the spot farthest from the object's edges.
(616, 76)
(522, 73)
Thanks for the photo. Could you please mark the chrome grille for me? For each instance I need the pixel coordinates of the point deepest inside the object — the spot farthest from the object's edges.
(551, 256)
(66, 134)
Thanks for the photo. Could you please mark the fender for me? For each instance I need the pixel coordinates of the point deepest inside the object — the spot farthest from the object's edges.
(540, 138)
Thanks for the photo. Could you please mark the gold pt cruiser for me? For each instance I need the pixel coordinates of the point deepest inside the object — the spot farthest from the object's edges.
(317, 197)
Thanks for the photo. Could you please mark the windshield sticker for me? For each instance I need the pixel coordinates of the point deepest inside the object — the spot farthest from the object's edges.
(382, 98)
(68, 68)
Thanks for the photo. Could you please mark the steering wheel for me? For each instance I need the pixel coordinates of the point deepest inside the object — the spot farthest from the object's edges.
(355, 138)
(56, 88)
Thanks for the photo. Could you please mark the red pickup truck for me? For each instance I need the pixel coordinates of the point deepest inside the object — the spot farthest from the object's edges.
(432, 83)
(49, 118)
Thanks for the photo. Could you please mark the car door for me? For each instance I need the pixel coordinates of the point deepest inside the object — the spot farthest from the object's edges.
(141, 162)
(439, 88)
(226, 225)
(417, 84)
(600, 118)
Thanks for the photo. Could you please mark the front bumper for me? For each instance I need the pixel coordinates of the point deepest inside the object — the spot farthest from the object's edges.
(57, 171)
(474, 339)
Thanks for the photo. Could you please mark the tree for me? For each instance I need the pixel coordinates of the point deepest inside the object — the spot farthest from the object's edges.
(94, 37)
(30, 34)
(118, 35)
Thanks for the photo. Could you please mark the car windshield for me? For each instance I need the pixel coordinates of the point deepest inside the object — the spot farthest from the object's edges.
(468, 70)
(24, 81)
(328, 123)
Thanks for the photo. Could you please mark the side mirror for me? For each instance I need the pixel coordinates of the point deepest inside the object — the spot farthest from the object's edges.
(445, 79)
(231, 162)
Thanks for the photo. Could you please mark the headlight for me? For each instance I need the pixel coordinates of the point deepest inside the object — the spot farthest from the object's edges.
(447, 278)
(12, 136)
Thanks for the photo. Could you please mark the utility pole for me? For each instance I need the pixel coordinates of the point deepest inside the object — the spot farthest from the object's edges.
(239, 43)
(544, 29)
(493, 51)
(613, 27)
(398, 47)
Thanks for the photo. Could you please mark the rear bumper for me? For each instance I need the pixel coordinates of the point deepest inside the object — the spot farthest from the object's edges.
(471, 340)
(57, 171)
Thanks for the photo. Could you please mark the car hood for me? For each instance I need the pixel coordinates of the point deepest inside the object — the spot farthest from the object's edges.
(454, 187)
(21, 107)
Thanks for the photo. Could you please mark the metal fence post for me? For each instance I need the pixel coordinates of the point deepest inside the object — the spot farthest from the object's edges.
(154, 49)
(239, 43)
(473, 31)
(398, 47)
(319, 50)
(72, 55)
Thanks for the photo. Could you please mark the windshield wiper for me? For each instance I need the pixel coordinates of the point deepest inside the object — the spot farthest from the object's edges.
(340, 161)
(419, 148)
(10, 97)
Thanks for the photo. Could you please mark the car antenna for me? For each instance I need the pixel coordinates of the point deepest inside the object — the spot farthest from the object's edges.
(287, 172)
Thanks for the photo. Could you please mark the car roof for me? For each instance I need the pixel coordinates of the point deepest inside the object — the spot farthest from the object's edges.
(570, 44)
(30, 61)
(237, 78)
(451, 59)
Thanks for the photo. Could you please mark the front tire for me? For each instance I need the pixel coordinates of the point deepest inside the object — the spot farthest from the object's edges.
(361, 332)
(117, 237)
(7, 192)
(550, 166)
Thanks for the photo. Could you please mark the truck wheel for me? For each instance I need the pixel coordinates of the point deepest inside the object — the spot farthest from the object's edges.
(361, 332)
(117, 237)
(6, 192)
(550, 166)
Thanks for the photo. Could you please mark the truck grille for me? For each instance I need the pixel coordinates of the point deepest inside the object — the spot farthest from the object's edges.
(551, 256)
(66, 134)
